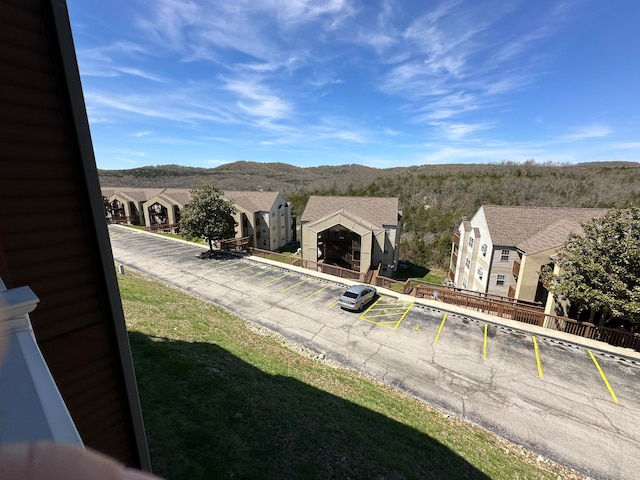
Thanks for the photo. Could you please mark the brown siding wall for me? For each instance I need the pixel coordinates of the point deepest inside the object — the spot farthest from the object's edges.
(47, 238)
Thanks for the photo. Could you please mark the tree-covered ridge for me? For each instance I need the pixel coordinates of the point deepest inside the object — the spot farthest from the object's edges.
(433, 198)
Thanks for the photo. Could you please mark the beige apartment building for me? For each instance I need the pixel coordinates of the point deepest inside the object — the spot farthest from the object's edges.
(357, 233)
(266, 218)
(501, 250)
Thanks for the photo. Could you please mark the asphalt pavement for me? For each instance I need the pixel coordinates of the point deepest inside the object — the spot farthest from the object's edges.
(573, 400)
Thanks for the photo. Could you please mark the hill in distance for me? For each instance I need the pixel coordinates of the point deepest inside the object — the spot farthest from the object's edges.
(243, 175)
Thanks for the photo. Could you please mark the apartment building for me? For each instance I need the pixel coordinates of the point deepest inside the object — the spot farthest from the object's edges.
(357, 233)
(501, 250)
(265, 217)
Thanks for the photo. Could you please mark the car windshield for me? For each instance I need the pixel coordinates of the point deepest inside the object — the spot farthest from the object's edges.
(350, 295)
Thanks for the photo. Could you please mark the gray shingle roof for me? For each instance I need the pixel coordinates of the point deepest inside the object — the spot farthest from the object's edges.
(253, 201)
(379, 211)
(181, 196)
(534, 229)
(134, 193)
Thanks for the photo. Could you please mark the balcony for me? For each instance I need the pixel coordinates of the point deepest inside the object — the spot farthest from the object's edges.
(31, 406)
(456, 238)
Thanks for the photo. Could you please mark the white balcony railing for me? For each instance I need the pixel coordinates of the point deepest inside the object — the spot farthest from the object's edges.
(31, 407)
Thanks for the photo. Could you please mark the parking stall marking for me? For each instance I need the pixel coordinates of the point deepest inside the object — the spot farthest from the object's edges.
(316, 292)
(440, 329)
(225, 264)
(274, 280)
(535, 348)
(394, 306)
(484, 346)
(604, 378)
(257, 274)
(242, 269)
(294, 285)
(382, 304)
(179, 247)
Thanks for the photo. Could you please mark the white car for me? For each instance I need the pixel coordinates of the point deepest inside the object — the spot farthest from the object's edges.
(357, 297)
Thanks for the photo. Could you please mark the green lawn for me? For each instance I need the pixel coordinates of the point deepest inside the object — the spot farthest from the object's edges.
(413, 271)
(222, 400)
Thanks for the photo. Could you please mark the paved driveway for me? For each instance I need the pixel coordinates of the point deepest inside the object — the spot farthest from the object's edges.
(576, 404)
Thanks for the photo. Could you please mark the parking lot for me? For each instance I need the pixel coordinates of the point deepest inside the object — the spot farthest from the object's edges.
(576, 404)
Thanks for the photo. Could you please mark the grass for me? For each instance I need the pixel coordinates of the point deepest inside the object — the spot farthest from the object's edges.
(171, 235)
(137, 227)
(418, 272)
(222, 399)
(290, 249)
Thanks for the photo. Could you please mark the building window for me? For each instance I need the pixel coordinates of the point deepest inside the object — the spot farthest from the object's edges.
(470, 242)
(467, 263)
(504, 256)
(483, 249)
(500, 280)
(480, 273)
(464, 283)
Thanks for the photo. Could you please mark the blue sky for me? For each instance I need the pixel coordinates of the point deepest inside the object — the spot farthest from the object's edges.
(377, 83)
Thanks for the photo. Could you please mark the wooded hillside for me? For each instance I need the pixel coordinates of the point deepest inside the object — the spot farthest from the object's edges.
(433, 198)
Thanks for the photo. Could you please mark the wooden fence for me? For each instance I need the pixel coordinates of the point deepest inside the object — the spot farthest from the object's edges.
(499, 308)
(164, 228)
(612, 336)
(532, 316)
(308, 264)
(237, 244)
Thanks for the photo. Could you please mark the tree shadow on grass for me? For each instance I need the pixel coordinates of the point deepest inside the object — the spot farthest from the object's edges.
(209, 414)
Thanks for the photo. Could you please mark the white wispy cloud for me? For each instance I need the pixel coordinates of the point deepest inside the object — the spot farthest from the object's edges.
(459, 131)
(177, 106)
(446, 107)
(306, 11)
(588, 131)
(454, 62)
(290, 74)
(198, 29)
(110, 60)
(257, 100)
(626, 145)
(138, 73)
(127, 160)
(142, 134)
